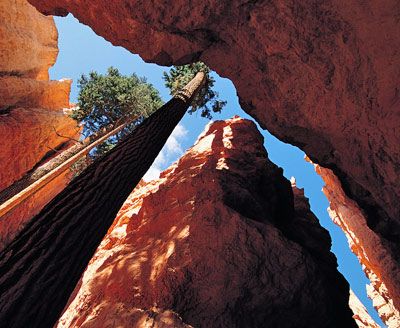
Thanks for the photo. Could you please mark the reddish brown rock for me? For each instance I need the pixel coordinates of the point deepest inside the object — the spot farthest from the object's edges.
(221, 240)
(322, 75)
(375, 256)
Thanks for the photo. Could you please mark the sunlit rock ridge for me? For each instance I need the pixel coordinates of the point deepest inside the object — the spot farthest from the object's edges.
(322, 75)
(219, 240)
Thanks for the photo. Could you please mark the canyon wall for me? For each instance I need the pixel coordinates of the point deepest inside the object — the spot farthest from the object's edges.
(361, 316)
(33, 122)
(322, 75)
(220, 240)
(374, 255)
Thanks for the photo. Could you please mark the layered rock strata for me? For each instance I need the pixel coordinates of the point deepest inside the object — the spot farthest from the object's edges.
(32, 121)
(322, 75)
(33, 125)
(375, 256)
(220, 240)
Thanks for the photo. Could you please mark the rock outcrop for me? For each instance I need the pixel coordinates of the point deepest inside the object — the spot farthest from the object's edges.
(361, 316)
(375, 256)
(32, 119)
(220, 240)
(322, 75)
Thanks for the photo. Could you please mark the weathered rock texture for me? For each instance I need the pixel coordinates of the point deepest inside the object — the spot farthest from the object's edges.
(32, 122)
(322, 75)
(32, 118)
(28, 41)
(376, 257)
(220, 240)
(361, 316)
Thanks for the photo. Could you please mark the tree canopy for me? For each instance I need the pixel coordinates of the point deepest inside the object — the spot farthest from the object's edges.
(113, 98)
(207, 100)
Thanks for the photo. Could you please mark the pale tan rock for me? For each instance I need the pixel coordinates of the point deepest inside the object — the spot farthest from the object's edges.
(376, 257)
(381, 300)
(362, 317)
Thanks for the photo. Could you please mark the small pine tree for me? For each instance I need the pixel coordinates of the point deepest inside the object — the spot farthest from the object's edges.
(111, 99)
(207, 99)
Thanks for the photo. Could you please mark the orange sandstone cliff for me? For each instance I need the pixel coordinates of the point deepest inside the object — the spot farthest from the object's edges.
(220, 240)
(377, 261)
(322, 75)
(32, 118)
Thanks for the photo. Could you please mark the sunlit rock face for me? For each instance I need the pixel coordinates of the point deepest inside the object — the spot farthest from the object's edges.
(375, 256)
(322, 75)
(361, 316)
(32, 121)
(220, 240)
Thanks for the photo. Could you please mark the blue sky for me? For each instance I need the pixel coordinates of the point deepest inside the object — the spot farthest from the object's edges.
(81, 51)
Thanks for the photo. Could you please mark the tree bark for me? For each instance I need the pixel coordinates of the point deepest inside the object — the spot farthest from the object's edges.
(40, 268)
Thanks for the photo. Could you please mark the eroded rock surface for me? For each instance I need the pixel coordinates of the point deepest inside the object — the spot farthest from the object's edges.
(375, 256)
(32, 120)
(220, 240)
(323, 75)
(361, 316)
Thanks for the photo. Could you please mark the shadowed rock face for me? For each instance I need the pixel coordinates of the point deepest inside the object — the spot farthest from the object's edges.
(220, 240)
(322, 75)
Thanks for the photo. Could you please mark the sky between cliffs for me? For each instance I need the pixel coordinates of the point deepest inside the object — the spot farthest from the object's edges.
(81, 50)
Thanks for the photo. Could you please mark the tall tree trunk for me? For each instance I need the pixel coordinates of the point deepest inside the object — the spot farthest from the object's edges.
(40, 268)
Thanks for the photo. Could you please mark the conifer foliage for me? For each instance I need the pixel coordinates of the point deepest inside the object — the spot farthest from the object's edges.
(207, 100)
(112, 99)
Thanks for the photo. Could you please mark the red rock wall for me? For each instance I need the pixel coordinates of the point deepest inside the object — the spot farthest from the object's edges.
(220, 240)
(32, 118)
(323, 75)
(376, 257)
(31, 106)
